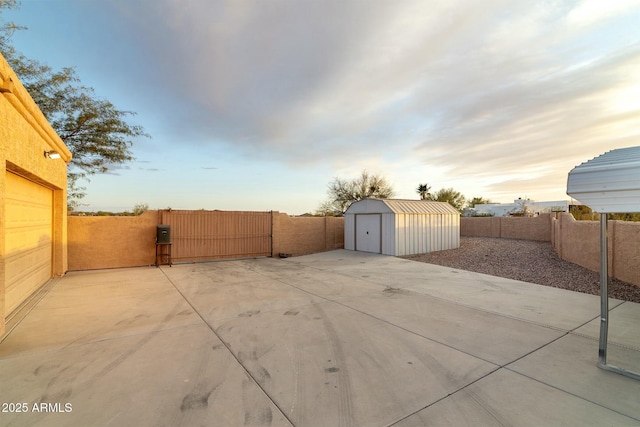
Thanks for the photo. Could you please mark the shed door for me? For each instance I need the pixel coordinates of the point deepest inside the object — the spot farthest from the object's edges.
(28, 243)
(368, 233)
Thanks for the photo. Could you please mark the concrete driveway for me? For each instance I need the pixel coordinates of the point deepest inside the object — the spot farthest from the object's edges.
(333, 339)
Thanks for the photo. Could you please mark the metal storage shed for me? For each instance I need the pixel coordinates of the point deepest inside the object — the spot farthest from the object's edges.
(609, 183)
(401, 227)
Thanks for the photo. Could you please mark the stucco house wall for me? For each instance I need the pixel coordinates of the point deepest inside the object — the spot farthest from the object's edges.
(25, 135)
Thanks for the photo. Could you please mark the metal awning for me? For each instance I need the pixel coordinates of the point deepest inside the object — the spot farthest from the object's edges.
(609, 183)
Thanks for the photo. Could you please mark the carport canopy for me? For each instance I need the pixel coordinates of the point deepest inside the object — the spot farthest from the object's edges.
(609, 183)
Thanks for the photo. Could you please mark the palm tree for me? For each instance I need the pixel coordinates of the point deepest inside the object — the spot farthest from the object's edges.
(423, 191)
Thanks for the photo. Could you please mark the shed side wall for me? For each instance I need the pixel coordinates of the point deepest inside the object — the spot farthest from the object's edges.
(423, 233)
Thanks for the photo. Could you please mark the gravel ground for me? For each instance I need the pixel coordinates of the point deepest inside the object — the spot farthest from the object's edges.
(525, 260)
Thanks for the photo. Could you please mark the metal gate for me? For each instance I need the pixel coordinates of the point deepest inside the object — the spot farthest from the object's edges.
(205, 235)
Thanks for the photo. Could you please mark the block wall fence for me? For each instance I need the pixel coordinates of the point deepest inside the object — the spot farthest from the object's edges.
(306, 235)
(112, 242)
(129, 241)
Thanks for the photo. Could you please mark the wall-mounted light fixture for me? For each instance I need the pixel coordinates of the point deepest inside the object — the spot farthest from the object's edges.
(52, 154)
(6, 86)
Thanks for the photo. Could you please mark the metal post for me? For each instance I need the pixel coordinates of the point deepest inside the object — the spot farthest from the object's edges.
(604, 304)
(604, 291)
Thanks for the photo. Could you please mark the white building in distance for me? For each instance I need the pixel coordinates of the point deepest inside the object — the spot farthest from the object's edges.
(519, 207)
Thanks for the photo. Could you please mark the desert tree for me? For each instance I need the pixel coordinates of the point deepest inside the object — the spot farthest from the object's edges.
(477, 201)
(343, 192)
(451, 196)
(140, 208)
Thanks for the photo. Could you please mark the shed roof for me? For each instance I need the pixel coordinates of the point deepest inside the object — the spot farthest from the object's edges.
(608, 183)
(402, 206)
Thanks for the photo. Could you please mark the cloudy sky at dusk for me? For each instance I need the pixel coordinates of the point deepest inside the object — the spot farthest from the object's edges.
(257, 105)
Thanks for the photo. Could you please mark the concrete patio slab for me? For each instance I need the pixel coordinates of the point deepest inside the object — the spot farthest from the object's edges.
(509, 399)
(181, 376)
(326, 284)
(96, 305)
(240, 299)
(567, 364)
(328, 365)
(497, 339)
(624, 321)
(547, 306)
(333, 339)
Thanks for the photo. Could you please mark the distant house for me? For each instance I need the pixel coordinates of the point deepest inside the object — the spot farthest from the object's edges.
(33, 196)
(519, 207)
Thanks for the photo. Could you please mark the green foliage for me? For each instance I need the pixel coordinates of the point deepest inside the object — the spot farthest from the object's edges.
(477, 201)
(343, 192)
(584, 213)
(94, 130)
(632, 216)
(140, 208)
(75, 192)
(451, 196)
(8, 28)
(423, 191)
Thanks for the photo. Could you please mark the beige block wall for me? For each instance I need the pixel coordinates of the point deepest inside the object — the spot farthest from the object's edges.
(579, 242)
(537, 228)
(305, 235)
(480, 227)
(626, 250)
(112, 241)
(24, 136)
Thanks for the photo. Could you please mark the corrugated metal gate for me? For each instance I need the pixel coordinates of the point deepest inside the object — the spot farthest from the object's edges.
(204, 235)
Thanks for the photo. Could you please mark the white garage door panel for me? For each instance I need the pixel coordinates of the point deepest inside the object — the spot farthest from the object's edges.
(368, 233)
(28, 242)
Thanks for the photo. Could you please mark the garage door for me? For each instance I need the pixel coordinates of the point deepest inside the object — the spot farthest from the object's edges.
(28, 243)
(368, 233)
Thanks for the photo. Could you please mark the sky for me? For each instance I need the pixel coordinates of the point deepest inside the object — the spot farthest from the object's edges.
(259, 105)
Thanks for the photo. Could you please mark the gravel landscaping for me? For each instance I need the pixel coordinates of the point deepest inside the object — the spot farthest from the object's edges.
(525, 260)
